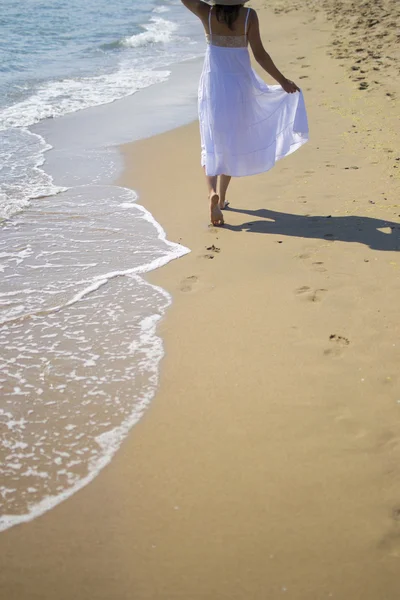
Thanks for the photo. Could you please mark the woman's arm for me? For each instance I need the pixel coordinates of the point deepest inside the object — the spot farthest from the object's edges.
(262, 56)
(200, 9)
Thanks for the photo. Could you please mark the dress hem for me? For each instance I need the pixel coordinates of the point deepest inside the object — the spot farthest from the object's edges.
(293, 148)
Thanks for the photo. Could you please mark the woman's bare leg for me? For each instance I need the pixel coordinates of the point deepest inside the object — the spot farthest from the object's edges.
(212, 183)
(223, 186)
(216, 216)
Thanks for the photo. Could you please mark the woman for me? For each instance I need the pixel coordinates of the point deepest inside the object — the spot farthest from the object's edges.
(245, 125)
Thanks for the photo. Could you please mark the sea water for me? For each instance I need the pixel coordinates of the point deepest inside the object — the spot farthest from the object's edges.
(79, 350)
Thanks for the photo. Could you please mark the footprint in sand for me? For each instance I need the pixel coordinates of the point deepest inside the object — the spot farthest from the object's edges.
(311, 295)
(188, 283)
(316, 295)
(303, 289)
(396, 513)
(339, 343)
(390, 543)
(318, 266)
(212, 251)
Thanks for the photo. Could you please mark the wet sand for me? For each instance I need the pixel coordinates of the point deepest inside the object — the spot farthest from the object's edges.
(268, 464)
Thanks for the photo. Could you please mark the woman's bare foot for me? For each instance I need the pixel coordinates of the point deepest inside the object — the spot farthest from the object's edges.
(223, 204)
(216, 215)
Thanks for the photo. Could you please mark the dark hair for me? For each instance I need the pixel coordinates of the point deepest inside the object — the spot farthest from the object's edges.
(227, 14)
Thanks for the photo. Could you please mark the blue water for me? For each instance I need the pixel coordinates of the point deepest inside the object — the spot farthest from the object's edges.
(61, 56)
(79, 351)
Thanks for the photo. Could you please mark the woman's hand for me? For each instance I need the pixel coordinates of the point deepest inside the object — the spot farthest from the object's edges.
(289, 86)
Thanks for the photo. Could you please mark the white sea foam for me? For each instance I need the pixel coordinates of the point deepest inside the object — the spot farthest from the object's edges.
(22, 152)
(90, 369)
(58, 98)
(108, 443)
(161, 9)
(158, 31)
(22, 155)
(141, 61)
(79, 353)
(37, 304)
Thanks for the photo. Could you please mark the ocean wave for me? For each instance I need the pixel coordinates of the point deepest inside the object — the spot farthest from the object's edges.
(161, 9)
(68, 460)
(158, 31)
(58, 98)
(22, 179)
(75, 381)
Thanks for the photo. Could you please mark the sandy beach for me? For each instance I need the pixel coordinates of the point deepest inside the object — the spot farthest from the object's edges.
(268, 465)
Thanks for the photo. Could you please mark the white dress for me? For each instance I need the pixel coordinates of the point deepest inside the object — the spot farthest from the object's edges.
(245, 124)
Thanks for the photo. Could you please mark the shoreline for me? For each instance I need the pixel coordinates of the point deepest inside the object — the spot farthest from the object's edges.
(266, 465)
(77, 163)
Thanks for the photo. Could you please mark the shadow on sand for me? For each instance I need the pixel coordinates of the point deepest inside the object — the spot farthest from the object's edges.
(363, 230)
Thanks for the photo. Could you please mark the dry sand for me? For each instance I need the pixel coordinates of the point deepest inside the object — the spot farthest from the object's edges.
(269, 463)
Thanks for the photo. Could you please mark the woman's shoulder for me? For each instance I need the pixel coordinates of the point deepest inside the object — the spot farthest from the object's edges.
(252, 13)
(253, 16)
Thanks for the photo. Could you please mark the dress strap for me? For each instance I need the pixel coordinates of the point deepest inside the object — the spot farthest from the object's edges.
(209, 20)
(245, 25)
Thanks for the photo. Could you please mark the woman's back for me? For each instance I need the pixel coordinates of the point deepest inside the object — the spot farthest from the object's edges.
(218, 33)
